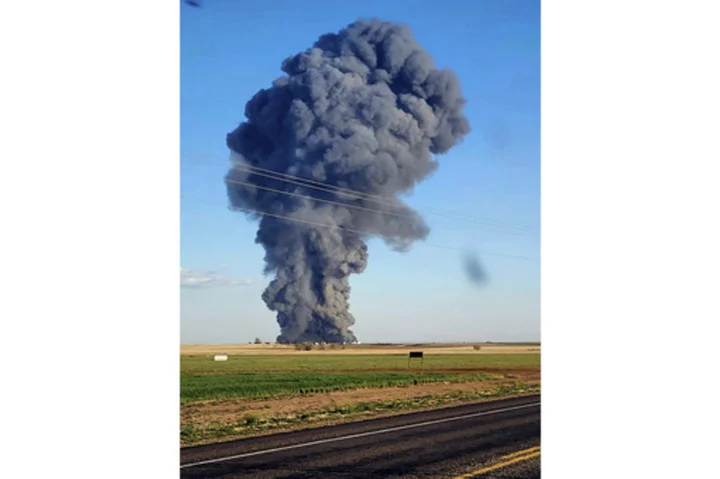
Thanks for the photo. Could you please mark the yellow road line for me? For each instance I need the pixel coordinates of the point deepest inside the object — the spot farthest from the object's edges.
(513, 458)
(521, 453)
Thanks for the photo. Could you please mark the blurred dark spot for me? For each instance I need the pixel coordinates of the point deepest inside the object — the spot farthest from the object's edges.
(474, 269)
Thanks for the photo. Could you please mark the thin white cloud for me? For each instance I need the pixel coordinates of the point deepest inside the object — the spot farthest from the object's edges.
(197, 279)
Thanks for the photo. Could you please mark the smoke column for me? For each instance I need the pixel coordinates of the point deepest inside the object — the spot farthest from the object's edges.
(362, 109)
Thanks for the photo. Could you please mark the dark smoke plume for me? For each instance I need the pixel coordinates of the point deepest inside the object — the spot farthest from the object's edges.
(362, 109)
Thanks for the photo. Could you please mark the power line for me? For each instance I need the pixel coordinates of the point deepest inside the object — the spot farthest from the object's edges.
(256, 170)
(352, 230)
(348, 192)
(345, 205)
(348, 205)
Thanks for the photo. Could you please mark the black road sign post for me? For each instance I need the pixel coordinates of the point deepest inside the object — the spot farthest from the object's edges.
(417, 355)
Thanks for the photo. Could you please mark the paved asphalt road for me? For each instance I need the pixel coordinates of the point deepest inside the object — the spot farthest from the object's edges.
(499, 439)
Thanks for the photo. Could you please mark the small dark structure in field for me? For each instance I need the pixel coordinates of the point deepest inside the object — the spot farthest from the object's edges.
(417, 355)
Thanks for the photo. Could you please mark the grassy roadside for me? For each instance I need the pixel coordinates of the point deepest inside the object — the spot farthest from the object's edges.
(254, 425)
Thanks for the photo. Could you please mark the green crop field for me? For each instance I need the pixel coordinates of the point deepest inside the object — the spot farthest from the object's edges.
(266, 376)
(326, 363)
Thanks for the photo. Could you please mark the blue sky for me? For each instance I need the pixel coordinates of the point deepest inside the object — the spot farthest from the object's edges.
(230, 49)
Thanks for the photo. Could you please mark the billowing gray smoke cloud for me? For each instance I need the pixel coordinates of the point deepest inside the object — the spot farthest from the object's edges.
(362, 109)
